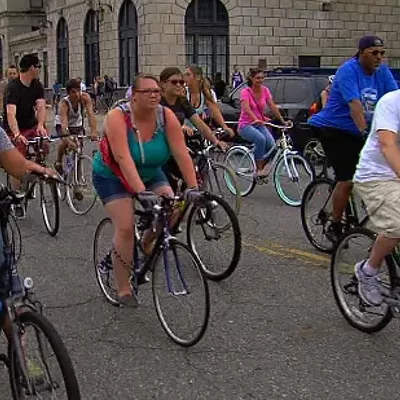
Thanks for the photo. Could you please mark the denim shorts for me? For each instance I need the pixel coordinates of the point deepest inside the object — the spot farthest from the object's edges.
(110, 189)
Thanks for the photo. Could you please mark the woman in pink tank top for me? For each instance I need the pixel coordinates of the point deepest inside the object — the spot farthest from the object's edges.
(253, 102)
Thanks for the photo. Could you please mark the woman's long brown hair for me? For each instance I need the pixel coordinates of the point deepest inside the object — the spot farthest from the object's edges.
(203, 83)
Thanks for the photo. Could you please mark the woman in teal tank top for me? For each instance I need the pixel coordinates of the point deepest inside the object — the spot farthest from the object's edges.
(141, 136)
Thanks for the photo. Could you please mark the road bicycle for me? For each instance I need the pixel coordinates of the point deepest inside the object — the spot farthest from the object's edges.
(211, 174)
(37, 361)
(316, 213)
(354, 246)
(176, 273)
(77, 173)
(291, 171)
(48, 194)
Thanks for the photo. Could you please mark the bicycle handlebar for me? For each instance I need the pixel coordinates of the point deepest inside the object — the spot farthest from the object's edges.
(280, 127)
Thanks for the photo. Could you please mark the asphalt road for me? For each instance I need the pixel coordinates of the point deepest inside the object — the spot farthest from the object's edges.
(275, 332)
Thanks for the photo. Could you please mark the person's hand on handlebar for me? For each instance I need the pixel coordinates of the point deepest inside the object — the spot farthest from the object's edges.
(258, 122)
(94, 136)
(147, 199)
(222, 145)
(229, 131)
(187, 130)
(41, 131)
(20, 138)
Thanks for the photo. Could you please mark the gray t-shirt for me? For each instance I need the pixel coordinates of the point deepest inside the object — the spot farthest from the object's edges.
(5, 142)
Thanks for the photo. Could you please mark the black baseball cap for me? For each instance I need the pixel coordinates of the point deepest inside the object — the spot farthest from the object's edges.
(369, 41)
(28, 60)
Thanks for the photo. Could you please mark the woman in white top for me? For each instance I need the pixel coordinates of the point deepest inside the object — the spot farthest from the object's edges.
(200, 97)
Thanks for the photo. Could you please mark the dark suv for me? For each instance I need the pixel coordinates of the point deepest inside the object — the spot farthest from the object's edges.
(294, 93)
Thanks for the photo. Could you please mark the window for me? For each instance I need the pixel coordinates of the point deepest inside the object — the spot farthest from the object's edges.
(309, 61)
(62, 52)
(207, 37)
(16, 58)
(36, 4)
(128, 43)
(45, 69)
(91, 41)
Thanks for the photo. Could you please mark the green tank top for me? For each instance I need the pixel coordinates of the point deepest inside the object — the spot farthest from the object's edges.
(154, 153)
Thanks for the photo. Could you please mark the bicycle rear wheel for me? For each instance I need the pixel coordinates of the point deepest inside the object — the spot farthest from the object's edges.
(213, 233)
(291, 178)
(353, 247)
(316, 212)
(241, 160)
(49, 203)
(216, 183)
(81, 196)
(177, 277)
(102, 261)
(50, 372)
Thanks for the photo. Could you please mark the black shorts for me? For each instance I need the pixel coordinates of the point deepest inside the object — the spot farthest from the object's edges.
(342, 150)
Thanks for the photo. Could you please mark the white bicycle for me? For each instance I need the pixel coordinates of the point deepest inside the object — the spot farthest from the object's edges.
(291, 171)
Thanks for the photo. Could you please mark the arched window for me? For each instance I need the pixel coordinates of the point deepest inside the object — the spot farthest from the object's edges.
(62, 52)
(207, 36)
(92, 53)
(128, 43)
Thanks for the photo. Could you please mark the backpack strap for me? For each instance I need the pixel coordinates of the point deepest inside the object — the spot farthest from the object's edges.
(161, 121)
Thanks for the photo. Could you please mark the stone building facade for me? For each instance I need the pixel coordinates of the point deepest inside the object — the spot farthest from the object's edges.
(123, 37)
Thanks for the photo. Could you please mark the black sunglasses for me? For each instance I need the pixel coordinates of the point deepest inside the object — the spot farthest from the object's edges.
(38, 66)
(376, 52)
(177, 81)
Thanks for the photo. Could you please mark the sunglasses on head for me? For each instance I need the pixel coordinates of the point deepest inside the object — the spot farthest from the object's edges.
(376, 52)
(176, 82)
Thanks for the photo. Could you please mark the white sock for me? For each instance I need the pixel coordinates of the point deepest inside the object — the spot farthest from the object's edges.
(368, 269)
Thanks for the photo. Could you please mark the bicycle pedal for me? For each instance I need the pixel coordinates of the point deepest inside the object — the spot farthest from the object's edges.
(262, 180)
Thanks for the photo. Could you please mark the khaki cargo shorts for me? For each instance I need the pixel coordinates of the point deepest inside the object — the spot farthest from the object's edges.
(382, 201)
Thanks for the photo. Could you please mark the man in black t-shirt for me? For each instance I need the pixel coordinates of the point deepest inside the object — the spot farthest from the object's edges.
(25, 106)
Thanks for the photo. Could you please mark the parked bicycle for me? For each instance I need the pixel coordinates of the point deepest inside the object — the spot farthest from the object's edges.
(291, 171)
(37, 361)
(48, 195)
(316, 213)
(77, 173)
(176, 274)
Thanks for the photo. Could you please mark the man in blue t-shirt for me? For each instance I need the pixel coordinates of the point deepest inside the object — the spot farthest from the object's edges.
(345, 120)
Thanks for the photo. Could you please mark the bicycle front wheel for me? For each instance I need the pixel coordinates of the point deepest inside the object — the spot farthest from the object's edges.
(102, 260)
(216, 183)
(213, 233)
(81, 196)
(354, 247)
(49, 203)
(49, 372)
(241, 160)
(291, 176)
(316, 213)
(180, 294)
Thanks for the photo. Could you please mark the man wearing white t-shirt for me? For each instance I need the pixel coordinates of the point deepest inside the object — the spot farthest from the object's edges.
(377, 180)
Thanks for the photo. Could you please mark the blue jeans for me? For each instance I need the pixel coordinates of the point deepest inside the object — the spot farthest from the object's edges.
(261, 137)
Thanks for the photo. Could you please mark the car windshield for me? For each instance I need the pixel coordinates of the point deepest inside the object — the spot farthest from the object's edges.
(270, 83)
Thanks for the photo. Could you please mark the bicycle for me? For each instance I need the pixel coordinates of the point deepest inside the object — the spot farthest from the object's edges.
(47, 187)
(213, 229)
(314, 153)
(316, 213)
(285, 164)
(77, 173)
(33, 341)
(345, 284)
(171, 275)
(211, 174)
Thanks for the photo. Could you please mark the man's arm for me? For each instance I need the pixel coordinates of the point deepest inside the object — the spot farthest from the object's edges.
(347, 81)
(41, 109)
(63, 110)
(357, 113)
(12, 119)
(390, 149)
(91, 117)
